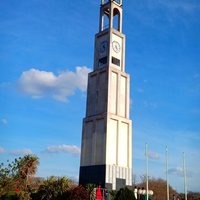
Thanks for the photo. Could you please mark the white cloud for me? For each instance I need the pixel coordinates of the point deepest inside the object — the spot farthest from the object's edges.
(176, 171)
(72, 149)
(2, 150)
(153, 155)
(4, 121)
(40, 84)
(179, 171)
(21, 152)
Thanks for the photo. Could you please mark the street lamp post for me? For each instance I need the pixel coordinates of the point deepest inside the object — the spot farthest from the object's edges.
(147, 171)
(166, 158)
(185, 181)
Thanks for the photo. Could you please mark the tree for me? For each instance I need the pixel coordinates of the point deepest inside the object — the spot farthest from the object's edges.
(76, 193)
(17, 174)
(124, 194)
(159, 188)
(27, 167)
(91, 191)
(52, 188)
(191, 196)
(112, 194)
(6, 177)
(36, 182)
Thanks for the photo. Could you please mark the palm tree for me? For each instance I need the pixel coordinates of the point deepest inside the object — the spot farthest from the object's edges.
(53, 188)
(26, 168)
(47, 189)
(91, 190)
(63, 184)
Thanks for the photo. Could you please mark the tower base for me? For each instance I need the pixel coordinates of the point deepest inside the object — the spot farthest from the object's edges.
(94, 174)
(107, 176)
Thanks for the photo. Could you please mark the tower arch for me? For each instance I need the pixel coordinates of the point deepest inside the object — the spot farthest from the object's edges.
(111, 15)
(104, 19)
(116, 19)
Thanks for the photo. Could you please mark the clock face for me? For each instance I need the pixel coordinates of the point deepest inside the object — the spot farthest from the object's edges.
(103, 47)
(116, 46)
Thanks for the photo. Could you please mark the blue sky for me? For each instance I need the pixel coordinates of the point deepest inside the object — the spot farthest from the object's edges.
(46, 52)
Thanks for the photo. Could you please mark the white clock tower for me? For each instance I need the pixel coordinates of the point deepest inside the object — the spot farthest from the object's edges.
(106, 150)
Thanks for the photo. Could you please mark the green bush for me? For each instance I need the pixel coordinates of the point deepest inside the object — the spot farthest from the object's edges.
(9, 196)
(124, 194)
(77, 193)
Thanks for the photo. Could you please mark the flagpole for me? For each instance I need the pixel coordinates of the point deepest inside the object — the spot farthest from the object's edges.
(185, 181)
(147, 171)
(166, 157)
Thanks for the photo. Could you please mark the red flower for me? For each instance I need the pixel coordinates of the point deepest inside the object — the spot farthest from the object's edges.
(17, 190)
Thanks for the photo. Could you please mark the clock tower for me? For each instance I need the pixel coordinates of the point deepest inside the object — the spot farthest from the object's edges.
(106, 150)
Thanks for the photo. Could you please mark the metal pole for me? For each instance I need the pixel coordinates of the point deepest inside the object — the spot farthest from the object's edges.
(185, 181)
(166, 156)
(147, 171)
